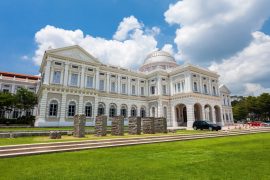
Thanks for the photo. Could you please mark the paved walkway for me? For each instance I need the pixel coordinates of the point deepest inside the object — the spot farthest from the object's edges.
(41, 148)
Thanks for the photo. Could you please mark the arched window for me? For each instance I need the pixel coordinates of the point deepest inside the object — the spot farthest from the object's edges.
(71, 109)
(153, 110)
(123, 111)
(53, 108)
(205, 88)
(142, 112)
(165, 111)
(133, 111)
(112, 110)
(88, 110)
(195, 86)
(101, 109)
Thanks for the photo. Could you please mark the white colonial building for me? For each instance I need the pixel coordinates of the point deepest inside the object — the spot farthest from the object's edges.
(74, 82)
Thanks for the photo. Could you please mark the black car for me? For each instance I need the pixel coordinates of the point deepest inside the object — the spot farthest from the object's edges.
(206, 125)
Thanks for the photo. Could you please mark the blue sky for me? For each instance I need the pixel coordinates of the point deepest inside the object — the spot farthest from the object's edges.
(21, 19)
(209, 33)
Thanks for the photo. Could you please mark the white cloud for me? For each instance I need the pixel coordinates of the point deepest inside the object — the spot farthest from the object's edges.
(248, 71)
(211, 30)
(131, 43)
(25, 57)
(128, 24)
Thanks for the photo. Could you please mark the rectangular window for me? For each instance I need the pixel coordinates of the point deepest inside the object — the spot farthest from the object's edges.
(74, 79)
(153, 90)
(164, 91)
(133, 89)
(178, 87)
(89, 81)
(142, 91)
(88, 111)
(101, 85)
(56, 77)
(113, 87)
(53, 109)
(124, 88)
(71, 110)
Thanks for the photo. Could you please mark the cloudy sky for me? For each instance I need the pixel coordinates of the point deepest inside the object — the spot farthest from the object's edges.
(231, 37)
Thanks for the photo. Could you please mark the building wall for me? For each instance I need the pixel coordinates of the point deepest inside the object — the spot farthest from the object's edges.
(67, 79)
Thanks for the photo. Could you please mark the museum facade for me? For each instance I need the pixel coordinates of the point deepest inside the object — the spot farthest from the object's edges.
(75, 82)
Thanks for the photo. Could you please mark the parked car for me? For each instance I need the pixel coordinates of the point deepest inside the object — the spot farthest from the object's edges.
(206, 125)
(255, 123)
(266, 124)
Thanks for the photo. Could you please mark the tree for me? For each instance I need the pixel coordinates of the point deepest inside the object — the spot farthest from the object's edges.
(7, 101)
(25, 100)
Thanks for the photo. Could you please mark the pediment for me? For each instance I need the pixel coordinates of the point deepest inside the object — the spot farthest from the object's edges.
(75, 52)
(224, 89)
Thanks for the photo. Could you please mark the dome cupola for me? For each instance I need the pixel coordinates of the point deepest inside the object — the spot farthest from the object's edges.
(158, 60)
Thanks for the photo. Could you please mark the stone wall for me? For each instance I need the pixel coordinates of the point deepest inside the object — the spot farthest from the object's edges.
(134, 125)
(79, 125)
(101, 126)
(160, 125)
(148, 125)
(117, 126)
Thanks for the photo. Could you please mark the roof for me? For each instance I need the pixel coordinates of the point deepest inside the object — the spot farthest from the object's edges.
(26, 76)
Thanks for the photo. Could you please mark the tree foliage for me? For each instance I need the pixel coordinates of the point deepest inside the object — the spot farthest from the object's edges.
(255, 108)
(23, 100)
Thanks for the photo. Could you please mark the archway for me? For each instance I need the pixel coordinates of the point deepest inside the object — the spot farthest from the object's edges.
(198, 112)
(217, 114)
(181, 114)
(208, 112)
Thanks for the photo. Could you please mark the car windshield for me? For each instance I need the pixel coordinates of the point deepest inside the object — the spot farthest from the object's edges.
(209, 122)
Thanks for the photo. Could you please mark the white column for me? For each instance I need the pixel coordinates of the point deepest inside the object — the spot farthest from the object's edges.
(190, 116)
(95, 107)
(158, 86)
(210, 87)
(159, 109)
(47, 72)
(63, 107)
(146, 88)
(81, 104)
(187, 82)
(119, 84)
(213, 114)
(97, 79)
(138, 87)
(171, 87)
(13, 88)
(66, 73)
(82, 77)
(173, 117)
(42, 108)
(108, 83)
(201, 85)
(128, 86)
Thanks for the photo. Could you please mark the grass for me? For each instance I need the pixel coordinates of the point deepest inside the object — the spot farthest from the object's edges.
(9, 129)
(45, 139)
(239, 157)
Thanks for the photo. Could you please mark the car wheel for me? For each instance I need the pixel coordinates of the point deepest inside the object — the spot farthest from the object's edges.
(210, 129)
(195, 128)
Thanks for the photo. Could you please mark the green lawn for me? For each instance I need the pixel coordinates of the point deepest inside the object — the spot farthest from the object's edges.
(45, 139)
(8, 129)
(239, 157)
